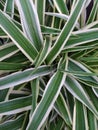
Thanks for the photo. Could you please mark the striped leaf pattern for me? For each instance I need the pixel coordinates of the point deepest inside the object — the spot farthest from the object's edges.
(48, 65)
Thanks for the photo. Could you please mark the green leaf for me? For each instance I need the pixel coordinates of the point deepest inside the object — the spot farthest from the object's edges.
(15, 105)
(57, 15)
(50, 95)
(2, 34)
(24, 76)
(75, 88)
(30, 22)
(79, 118)
(35, 92)
(40, 5)
(3, 94)
(7, 50)
(92, 121)
(43, 54)
(18, 37)
(92, 96)
(71, 102)
(83, 73)
(80, 73)
(61, 6)
(9, 7)
(11, 66)
(82, 37)
(95, 90)
(63, 110)
(17, 58)
(66, 32)
(49, 30)
(61, 16)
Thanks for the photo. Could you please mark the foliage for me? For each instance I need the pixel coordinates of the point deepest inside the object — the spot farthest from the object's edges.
(48, 65)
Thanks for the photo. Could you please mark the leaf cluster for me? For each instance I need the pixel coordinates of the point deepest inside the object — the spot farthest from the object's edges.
(48, 65)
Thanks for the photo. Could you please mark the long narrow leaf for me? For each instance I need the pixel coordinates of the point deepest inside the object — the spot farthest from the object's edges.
(82, 37)
(43, 54)
(61, 6)
(61, 16)
(40, 4)
(49, 30)
(30, 22)
(24, 76)
(90, 78)
(16, 105)
(66, 32)
(3, 94)
(7, 50)
(35, 92)
(18, 37)
(62, 108)
(2, 34)
(92, 96)
(92, 121)
(95, 90)
(11, 66)
(79, 121)
(9, 7)
(77, 91)
(49, 97)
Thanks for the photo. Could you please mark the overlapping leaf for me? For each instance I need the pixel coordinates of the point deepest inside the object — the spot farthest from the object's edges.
(18, 37)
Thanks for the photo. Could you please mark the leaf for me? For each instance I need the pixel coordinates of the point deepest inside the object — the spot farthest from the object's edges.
(2, 34)
(50, 95)
(17, 58)
(30, 22)
(82, 37)
(95, 90)
(83, 73)
(40, 5)
(77, 48)
(49, 30)
(24, 76)
(75, 88)
(7, 50)
(92, 96)
(66, 32)
(61, 16)
(9, 7)
(3, 94)
(61, 6)
(15, 105)
(79, 118)
(80, 73)
(11, 66)
(62, 108)
(92, 121)
(35, 92)
(18, 37)
(43, 54)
